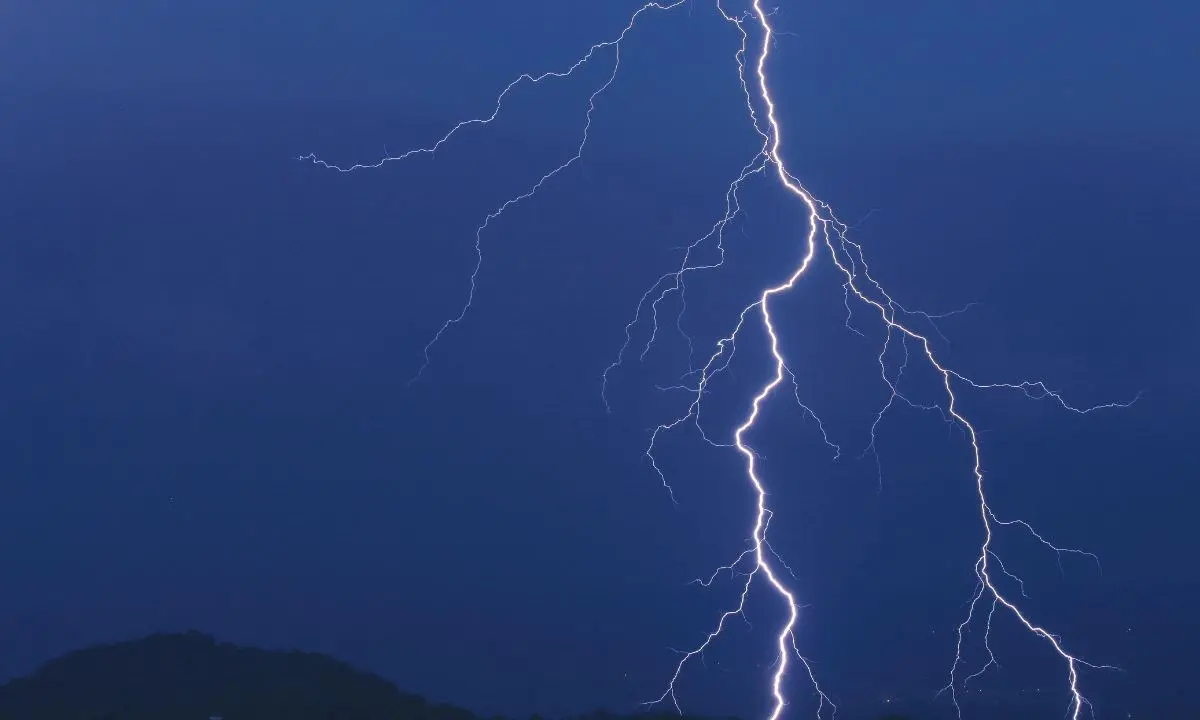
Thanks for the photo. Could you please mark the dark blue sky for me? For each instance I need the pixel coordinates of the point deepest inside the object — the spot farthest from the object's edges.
(203, 414)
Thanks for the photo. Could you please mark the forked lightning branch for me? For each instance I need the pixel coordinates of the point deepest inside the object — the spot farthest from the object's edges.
(760, 568)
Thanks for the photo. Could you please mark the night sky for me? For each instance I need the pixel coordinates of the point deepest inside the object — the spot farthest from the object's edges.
(204, 413)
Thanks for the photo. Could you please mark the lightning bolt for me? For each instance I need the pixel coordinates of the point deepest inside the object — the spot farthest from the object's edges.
(826, 236)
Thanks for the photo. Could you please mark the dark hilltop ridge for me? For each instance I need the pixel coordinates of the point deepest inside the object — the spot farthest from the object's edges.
(191, 676)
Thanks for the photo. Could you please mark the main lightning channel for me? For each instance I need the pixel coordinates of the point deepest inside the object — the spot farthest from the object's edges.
(825, 231)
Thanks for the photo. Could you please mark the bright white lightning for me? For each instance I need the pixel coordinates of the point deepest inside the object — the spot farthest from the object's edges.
(826, 232)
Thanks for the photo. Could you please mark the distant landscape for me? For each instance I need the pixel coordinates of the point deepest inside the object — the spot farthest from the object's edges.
(192, 676)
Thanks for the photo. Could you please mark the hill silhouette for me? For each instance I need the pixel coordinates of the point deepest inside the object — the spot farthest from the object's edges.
(191, 676)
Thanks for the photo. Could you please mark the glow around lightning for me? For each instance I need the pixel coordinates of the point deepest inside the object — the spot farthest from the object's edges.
(826, 237)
